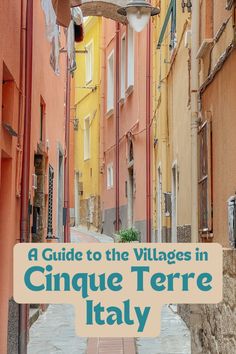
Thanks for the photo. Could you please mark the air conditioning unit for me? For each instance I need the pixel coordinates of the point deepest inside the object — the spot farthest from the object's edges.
(34, 181)
(168, 204)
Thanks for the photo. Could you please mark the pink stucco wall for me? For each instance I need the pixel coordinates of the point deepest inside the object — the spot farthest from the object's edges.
(52, 89)
(132, 118)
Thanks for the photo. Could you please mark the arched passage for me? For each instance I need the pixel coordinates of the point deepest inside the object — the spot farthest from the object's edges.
(105, 8)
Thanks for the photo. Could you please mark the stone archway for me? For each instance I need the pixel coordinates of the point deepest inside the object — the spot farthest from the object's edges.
(105, 8)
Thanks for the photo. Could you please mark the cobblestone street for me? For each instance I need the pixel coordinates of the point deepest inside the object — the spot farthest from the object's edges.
(54, 332)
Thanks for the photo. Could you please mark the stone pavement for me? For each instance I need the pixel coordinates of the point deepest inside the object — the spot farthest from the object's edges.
(80, 234)
(54, 332)
(174, 337)
(111, 346)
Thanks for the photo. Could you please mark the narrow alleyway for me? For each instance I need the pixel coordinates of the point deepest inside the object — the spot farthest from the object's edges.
(54, 332)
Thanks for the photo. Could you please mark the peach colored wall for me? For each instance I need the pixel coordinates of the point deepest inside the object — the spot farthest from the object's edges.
(131, 111)
(52, 90)
(72, 162)
(220, 14)
(219, 98)
(9, 204)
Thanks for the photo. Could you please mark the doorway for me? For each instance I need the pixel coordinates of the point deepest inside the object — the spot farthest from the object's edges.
(174, 204)
(130, 197)
(60, 198)
(77, 200)
(159, 205)
(39, 202)
(130, 184)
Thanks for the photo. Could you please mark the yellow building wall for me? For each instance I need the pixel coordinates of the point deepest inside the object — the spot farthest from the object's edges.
(172, 119)
(87, 103)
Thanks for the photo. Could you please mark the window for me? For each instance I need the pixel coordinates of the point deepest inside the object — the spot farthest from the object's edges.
(87, 138)
(110, 176)
(130, 78)
(42, 122)
(110, 82)
(89, 63)
(206, 22)
(205, 185)
(123, 68)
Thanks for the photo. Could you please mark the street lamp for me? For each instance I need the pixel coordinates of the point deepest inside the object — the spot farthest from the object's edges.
(138, 13)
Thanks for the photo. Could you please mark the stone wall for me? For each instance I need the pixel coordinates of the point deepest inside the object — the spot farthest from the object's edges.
(108, 226)
(90, 212)
(13, 327)
(184, 233)
(213, 327)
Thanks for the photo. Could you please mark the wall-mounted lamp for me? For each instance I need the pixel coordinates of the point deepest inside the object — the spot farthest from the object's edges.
(138, 13)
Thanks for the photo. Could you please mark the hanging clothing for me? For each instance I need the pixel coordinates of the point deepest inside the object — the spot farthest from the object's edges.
(71, 46)
(78, 24)
(63, 12)
(52, 33)
(50, 19)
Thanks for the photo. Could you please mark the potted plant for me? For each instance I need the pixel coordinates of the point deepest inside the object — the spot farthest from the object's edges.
(129, 236)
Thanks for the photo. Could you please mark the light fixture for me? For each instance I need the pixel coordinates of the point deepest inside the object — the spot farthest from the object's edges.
(138, 13)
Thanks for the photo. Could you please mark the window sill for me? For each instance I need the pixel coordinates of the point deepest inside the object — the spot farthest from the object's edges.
(110, 113)
(87, 159)
(129, 90)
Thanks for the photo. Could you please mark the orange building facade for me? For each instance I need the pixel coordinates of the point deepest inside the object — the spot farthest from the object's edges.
(217, 127)
(47, 149)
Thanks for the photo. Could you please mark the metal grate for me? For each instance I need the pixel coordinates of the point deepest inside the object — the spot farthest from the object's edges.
(50, 202)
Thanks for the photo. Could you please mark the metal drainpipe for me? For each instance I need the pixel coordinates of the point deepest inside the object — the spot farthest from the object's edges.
(20, 110)
(117, 222)
(148, 136)
(194, 112)
(24, 232)
(67, 158)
